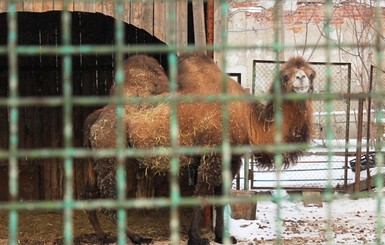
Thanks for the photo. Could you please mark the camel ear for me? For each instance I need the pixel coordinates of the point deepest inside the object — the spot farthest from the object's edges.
(312, 76)
(311, 88)
(285, 79)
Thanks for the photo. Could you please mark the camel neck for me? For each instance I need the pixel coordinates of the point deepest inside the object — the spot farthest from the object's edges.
(296, 122)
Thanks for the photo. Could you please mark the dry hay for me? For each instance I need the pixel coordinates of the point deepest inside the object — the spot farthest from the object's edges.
(150, 129)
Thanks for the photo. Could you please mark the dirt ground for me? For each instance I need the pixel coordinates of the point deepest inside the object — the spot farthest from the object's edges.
(46, 228)
(37, 227)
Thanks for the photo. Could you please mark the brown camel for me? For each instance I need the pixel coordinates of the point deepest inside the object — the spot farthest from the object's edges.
(200, 124)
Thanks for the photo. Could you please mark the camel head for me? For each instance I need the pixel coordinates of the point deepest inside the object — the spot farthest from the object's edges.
(297, 76)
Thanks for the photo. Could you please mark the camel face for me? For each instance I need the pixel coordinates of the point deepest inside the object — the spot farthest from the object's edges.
(297, 76)
(301, 82)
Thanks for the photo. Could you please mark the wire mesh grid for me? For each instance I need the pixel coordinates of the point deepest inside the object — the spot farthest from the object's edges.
(311, 172)
(68, 152)
(264, 73)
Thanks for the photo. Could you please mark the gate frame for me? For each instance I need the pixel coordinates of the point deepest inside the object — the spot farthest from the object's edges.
(347, 99)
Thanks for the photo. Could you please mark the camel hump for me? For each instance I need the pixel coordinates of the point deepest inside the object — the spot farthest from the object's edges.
(195, 62)
(195, 57)
(88, 122)
(144, 76)
(145, 63)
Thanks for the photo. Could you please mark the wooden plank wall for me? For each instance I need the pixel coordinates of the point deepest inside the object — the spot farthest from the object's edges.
(199, 23)
(149, 15)
(41, 76)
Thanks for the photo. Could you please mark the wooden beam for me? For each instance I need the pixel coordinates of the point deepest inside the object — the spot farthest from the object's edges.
(70, 6)
(312, 198)
(37, 6)
(47, 5)
(364, 184)
(99, 7)
(160, 20)
(3, 7)
(79, 5)
(19, 6)
(147, 17)
(57, 5)
(109, 8)
(26, 6)
(89, 7)
(199, 23)
(181, 23)
(126, 14)
(136, 14)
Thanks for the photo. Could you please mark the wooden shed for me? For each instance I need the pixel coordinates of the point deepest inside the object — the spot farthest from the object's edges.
(39, 23)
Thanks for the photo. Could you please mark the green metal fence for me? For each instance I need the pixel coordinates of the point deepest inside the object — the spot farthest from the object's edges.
(68, 101)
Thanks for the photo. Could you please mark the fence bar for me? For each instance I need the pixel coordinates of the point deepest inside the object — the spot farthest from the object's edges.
(121, 131)
(347, 131)
(278, 47)
(226, 147)
(329, 131)
(174, 130)
(13, 122)
(379, 119)
(67, 125)
(359, 147)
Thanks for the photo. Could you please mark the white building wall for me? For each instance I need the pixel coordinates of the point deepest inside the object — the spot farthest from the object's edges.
(352, 32)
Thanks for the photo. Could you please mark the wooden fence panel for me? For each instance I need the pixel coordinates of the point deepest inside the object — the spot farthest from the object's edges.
(148, 17)
(181, 22)
(136, 14)
(160, 19)
(199, 23)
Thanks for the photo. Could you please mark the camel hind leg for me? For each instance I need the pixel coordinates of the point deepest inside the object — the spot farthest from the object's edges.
(91, 191)
(209, 177)
(236, 163)
(106, 181)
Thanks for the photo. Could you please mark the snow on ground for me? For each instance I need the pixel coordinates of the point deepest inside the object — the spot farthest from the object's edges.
(315, 170)
(352, 222)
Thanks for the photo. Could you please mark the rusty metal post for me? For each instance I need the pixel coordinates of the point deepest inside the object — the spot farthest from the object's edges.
(369, 114)
(207, 214)
(368, 124)
(210, 26)
(359, 146)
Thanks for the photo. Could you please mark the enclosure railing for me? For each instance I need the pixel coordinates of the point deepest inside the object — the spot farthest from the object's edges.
(67, 101)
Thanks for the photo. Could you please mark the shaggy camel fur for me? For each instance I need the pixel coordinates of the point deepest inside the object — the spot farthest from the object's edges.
(148, 78)
(200, 124)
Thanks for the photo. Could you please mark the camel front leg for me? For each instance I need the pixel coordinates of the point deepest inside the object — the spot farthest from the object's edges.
(194, 230)
(193, 233)
(236, 163)
(93, 218)
(219, 221)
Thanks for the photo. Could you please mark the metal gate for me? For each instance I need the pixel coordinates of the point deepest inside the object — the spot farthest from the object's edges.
(311, 171)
